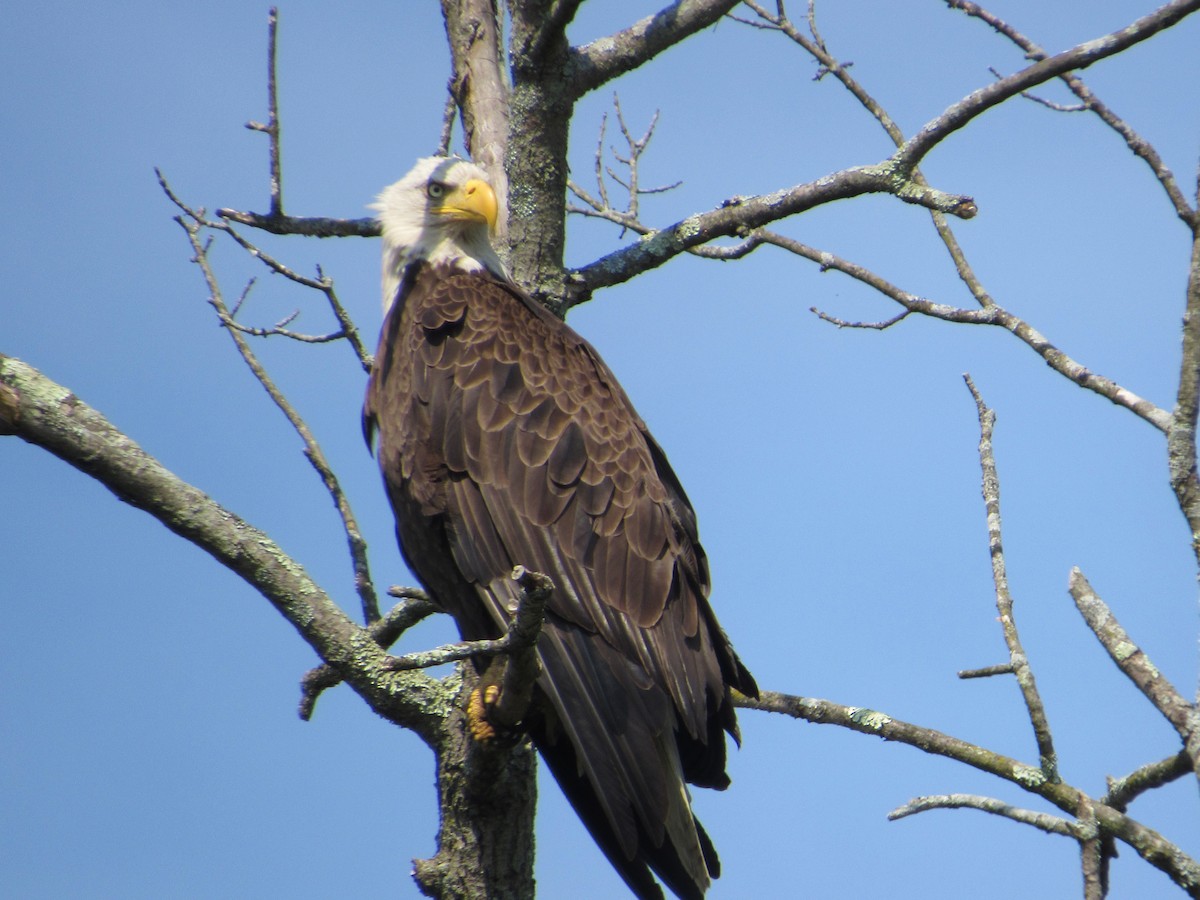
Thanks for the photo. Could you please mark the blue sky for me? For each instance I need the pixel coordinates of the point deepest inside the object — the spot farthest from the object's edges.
(151, 746)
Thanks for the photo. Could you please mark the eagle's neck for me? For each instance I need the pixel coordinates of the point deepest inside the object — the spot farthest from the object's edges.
(468, 250)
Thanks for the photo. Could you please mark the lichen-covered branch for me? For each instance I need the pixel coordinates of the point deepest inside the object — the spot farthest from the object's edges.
(739, 215)
(1136, 665)
(1124, 790)
(49, 415)
(414, 606)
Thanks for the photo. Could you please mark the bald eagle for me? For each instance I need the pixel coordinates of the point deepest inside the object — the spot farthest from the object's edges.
(505, 440)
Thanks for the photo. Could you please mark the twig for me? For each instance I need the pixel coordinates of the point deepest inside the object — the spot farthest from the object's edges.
(1042, 821)
(601, 207)
(1004, 601)
(870, 326)
(522, 632)
(987, 671)
(321, 283)
(1042, 101)
(272, 128)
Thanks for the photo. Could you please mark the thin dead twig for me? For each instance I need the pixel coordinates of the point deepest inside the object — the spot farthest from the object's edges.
(193, 223)
(321, 283)
(601, 206)
(1042, 821)
(1034, 707)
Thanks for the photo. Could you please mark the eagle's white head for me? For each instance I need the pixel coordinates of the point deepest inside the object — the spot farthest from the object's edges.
(443, 211)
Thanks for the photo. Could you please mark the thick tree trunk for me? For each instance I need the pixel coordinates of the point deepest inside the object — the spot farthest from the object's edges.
(487, 795)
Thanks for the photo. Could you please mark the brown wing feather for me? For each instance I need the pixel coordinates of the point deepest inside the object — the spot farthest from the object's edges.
(504, 439)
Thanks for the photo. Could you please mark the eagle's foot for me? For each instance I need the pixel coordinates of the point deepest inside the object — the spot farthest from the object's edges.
(481, 700)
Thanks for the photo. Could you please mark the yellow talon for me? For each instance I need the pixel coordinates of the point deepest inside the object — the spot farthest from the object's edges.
(477, 707)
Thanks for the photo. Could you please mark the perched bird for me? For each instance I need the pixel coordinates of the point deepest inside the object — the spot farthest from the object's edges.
(505, 440)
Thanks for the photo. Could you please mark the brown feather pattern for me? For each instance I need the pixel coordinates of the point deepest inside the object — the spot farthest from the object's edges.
(504, 439)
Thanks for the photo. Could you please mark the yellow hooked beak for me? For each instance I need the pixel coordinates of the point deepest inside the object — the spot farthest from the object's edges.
(474, 201)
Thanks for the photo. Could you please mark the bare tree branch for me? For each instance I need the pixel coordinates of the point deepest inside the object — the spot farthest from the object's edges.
(1004, 601)
(449, 114)
(1123, 791)
(555, 18)
(321, 283)
(603, 60)
(307, 226)
(1086, 54)
(1133, 661)
(1090, 101)
(522, 633)
(739, 215)
(1094, 852)
(276, 221)
(987, 671)
(815, 46)
(894, 175)
(992, 314)
(272, 128)
(1151, 846)
(601, 207)
(1181, 439)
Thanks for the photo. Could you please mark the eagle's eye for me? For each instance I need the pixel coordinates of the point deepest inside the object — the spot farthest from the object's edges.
(436, 190)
